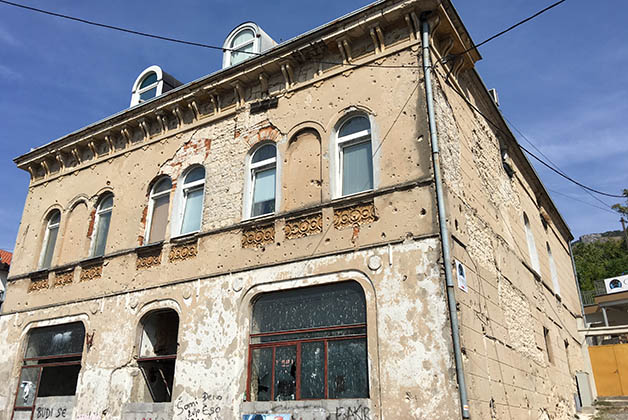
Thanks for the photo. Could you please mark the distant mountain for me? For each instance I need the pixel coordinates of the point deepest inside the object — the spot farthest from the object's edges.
(611, 235)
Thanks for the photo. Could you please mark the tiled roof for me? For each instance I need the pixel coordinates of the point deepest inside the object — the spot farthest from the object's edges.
(5, 257)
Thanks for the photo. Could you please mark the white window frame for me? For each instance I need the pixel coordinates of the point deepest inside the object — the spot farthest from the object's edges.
(532, 250)
(350, 140)
(182, 199)
(99, 212)
(553, 270)
(151, 206)
(159, 84)
(253, 169)
(228, 46)
(49, 227)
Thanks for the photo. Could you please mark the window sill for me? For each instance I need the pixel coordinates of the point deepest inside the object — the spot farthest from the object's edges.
(149, 247)
(91, 261)
(185, 238)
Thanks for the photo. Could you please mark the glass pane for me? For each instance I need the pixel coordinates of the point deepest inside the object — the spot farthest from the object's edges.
(58, 381)
(354, 125)
(261, 374)
(28, 387)
(312, 370)
(101, 233)
(149, 80)
(357, 168)
(106, 203)
(50, 247)
(310, 307)
(264, 192)
(148, 94)
(347, 372)
(54, 218)
(241, 54)
(56, 340)
(159, 219)
(192, 212)
(163, 185)
(195, 174)
(285, 373)
(263, 153)
(159, 334)
(323, 333)
(242, 37)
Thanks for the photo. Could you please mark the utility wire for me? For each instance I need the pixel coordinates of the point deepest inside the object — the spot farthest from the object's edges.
(547, 165)
(582, 201)
(497, 35)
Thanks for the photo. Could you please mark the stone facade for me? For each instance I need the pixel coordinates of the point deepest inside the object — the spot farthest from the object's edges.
(386, 239)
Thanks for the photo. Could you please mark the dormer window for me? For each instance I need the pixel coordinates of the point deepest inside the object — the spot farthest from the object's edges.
(151, 83)
(244, 42)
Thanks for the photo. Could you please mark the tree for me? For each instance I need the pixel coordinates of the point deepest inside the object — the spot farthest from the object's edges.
(599, 260)
(623, 210)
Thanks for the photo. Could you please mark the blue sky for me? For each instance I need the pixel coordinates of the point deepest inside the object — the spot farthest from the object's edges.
(560, 78)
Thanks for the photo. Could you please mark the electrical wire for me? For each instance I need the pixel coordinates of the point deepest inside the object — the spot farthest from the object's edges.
(582, 201)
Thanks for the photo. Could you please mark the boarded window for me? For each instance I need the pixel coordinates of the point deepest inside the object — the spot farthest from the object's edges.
(158, 353)
(309, 343)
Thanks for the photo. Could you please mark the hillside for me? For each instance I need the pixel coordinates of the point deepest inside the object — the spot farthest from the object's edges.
(599, 256)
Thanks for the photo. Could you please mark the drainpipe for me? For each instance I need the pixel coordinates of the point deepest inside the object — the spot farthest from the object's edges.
(575, 276)
(442, 217)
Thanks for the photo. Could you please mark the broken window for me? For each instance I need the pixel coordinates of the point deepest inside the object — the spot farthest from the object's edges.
(355, 160)
(51, 366)
(158, 210)
(263, 168)
(50, 239)
(158, 353)
(309, 343)
(103, 219)
(193, 191)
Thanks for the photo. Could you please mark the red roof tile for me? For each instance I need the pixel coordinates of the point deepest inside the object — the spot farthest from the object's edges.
(5, 257)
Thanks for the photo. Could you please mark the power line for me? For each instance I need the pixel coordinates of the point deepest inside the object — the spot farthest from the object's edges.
(583, 202)
(567, 177)
(521, 22)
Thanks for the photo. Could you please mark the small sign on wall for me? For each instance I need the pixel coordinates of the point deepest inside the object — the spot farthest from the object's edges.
(266, 417)
(461, 273)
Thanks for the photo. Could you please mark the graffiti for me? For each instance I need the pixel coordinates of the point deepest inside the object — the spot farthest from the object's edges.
(266, 417)
(46, 413)
(353, 413)
(207, 406)
(88, 416)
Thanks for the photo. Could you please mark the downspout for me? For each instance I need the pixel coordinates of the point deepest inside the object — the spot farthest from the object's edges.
(442, 217)
(575, 275)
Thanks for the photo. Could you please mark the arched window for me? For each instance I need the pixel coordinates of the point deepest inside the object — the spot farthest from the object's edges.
(152, 82)
(534, 256)
(50, 239)
(158, 210)
(246, 41)
(242, 45)
(101, 225)
(262, 178)
(51, 365)
(553, 271)
(309, 343)
(148, 87)
(354, 156)
(192, 205)
(158, 353)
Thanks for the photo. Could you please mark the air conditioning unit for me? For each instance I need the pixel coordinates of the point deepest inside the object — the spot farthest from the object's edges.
(616, 284)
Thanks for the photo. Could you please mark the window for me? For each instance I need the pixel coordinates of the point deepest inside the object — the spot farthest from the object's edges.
(158, 353)
(50, 239)
(148, 87)
(152, 82)
(263, 168)
(309, 343)
(548, 345)
(103, 219)
(51, 365)
(243, 44)
(355, 157)
(193, 191)
(158, 210)
(534, 257)
(553, 271)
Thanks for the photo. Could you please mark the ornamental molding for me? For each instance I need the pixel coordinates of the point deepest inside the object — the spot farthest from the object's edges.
(91, 273)
(304, 226)
(183, 252)
(63, 279)
(356, 215)
(258, 236)
(148, 261)
(38, 284)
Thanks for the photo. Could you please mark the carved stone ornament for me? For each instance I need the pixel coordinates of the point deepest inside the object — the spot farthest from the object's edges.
(258, 236)
(183, 252)
(91, 273)
(62, 279)
(304, 226)
(360, 214)
(38, 284)
(148, 261)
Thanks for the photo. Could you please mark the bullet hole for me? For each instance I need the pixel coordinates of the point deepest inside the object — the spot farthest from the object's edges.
(109, 182)
(383, 235)
(278, 243)
(423, 212)
(456, 223)
(327, 239)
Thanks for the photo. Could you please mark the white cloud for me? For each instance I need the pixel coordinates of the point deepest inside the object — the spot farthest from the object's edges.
(8, 39)
(9, 74)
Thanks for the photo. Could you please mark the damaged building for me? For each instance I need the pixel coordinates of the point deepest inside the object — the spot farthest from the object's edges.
(326, 228)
